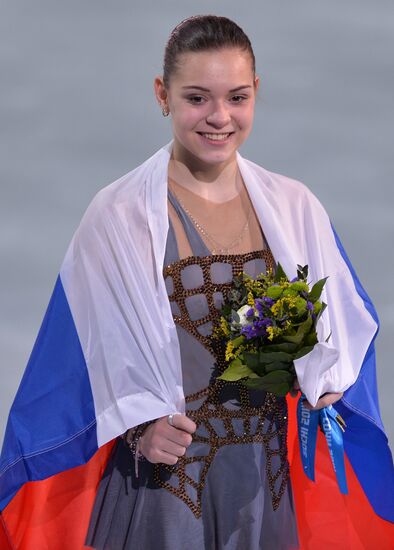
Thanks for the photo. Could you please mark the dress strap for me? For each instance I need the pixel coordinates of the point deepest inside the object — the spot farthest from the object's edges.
(171, 254)
(199, 248)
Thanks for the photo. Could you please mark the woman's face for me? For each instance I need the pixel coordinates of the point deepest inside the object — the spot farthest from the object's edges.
(211, 99)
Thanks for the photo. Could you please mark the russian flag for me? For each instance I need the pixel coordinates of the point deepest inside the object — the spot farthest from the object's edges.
(48, 477)
(51, 462)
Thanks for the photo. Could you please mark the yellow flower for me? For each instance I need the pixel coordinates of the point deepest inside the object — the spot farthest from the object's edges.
(229, 351)
(250, 299)
(284, 304)
(276, 308)
(224, 326)
(270, 331)
(273, 331)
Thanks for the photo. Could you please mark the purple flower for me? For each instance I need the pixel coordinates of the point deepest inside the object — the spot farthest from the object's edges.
(265, 322)
(250, 312)
(259, 305)
(248, 331)
(309, 305)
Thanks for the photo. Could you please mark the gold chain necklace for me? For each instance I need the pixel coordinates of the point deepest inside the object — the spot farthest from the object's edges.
(218, 247)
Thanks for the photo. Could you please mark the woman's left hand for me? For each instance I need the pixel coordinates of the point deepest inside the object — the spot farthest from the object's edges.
(324, 401)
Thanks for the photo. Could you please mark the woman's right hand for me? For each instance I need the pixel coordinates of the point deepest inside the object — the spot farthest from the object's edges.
(164, 443)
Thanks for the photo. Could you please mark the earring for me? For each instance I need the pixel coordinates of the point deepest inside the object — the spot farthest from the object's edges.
(165, 111)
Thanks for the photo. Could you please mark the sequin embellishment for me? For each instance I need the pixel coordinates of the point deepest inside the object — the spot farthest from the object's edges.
(271, 414)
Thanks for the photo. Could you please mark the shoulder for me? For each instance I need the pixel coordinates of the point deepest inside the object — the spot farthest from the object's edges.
(286, 189)
(127, 194)
(277, 182)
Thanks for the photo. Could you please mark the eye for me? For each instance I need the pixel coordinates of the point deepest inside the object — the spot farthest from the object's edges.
(238, 98)
(196, 99)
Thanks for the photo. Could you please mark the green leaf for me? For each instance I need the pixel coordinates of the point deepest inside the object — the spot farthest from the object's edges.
(280, 274)
(277, 366)
(302, 330)
(269, 357)
(235, 371)
(317, 290)
(251, 359)
(277, 376)
(278, 382)
(238, 341)
(234, 316)
(302, 272)
(288, 347)
(323, 307)
(311, 338)
(253, 383)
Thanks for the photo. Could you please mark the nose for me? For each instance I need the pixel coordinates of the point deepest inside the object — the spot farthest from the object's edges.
(219, 116)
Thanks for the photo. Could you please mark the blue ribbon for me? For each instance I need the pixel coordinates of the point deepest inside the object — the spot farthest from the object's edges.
(332, 425)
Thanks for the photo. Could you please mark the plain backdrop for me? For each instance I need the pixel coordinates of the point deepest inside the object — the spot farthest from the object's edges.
(77, 111)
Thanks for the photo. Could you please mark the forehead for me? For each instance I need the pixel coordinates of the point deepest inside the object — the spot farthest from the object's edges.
(227, 66)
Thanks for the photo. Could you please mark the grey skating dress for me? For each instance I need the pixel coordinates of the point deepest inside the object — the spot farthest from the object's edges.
(231, 489)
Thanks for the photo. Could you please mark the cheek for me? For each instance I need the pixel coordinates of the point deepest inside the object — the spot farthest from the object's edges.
(186, 120)
(248, 115)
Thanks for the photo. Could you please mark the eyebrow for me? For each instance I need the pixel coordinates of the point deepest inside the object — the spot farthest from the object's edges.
(207, 90)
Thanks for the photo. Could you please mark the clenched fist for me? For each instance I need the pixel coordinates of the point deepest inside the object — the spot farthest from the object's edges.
(163, 443)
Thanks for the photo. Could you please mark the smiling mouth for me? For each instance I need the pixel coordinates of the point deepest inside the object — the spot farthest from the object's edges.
(216, 137)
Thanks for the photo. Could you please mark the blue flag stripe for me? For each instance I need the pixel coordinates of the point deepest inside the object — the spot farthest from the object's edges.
(365, 442)
(51, 425)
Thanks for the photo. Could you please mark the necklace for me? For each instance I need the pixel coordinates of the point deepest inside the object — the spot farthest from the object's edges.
(218, 248)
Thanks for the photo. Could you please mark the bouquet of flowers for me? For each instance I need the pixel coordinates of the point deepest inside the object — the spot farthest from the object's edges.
(265, 324)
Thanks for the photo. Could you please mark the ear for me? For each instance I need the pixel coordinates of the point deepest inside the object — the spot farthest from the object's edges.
(256, 83)
(160, 91)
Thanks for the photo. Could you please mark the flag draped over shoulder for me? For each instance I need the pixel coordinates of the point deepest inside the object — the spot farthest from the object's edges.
(107, 356)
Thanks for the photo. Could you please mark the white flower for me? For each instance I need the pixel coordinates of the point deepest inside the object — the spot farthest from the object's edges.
(243, 319)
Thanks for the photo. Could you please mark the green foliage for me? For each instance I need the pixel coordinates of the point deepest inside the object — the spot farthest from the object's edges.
(289, 312)
(316, 291)
(235, 371)
(280, 275)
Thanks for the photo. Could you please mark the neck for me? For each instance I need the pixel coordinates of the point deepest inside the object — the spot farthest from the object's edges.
(219, 183)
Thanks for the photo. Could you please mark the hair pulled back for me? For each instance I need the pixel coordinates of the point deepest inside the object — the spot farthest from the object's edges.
(201, 33)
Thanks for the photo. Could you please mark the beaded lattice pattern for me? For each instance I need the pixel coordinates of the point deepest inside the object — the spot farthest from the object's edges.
(271, 413)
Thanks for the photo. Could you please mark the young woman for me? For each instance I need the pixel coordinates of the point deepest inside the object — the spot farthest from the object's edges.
(202, 463)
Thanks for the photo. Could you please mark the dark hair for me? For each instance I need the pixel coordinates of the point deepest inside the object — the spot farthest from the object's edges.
(201, 33)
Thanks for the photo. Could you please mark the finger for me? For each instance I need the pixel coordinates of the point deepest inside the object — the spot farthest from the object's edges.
(165, 458)
(182, 422)
(178, 436)
(324, 401)
(172, 448)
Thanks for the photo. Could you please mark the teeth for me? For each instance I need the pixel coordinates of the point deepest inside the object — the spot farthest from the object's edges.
(216, 137)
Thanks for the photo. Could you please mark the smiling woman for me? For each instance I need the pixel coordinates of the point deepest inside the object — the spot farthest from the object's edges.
(211, 97)
(209, 85)
(127, 361)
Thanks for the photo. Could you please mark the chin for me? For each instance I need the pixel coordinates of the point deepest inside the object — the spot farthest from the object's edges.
(219, 159)
(190, 150)
(214, 157)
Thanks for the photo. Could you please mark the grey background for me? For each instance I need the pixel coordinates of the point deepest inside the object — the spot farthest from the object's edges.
(77, 111)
